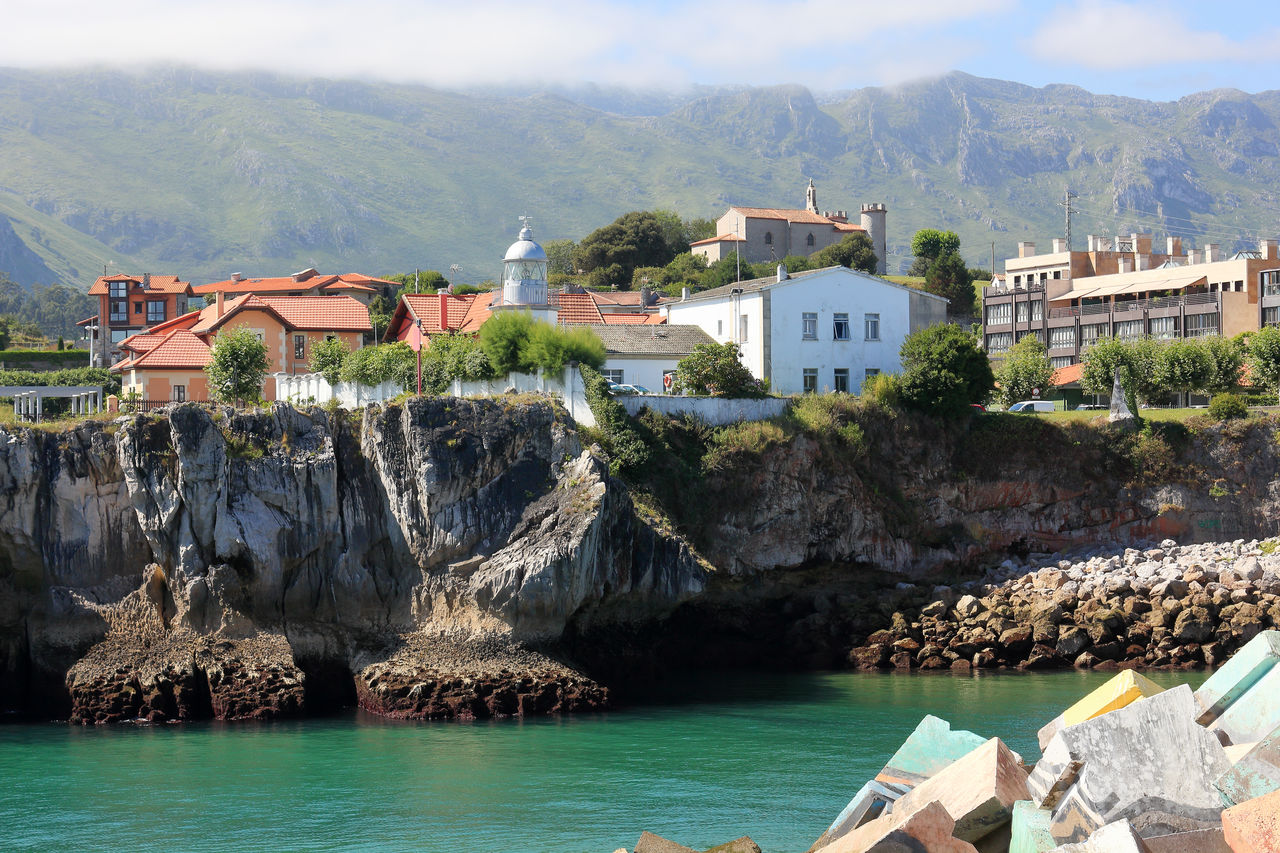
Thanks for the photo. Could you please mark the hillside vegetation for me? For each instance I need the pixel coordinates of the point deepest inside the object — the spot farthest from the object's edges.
(203, 174)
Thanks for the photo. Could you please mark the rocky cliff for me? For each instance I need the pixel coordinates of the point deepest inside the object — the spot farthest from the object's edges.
(465, 558)
(240, 565)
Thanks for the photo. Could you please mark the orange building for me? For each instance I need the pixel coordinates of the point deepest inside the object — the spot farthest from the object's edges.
(167, 361)
(308, 282)
(126, 305)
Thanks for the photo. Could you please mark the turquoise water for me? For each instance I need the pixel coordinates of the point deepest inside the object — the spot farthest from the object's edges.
(771, 756)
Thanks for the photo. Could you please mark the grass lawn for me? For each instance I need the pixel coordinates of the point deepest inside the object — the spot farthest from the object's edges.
(1177, 415)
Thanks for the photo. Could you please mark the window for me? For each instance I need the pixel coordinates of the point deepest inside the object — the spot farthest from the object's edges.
(1199, 325)
(299, 347)
(1271, 283)
(810, 326)
(1130, 330)
(1034, 333)
(155, 311)
(1060, 361)
(180, 306)
(1090, 334)
(1164, 327)
(742, 328)
(871, 323)
(137, 307)
(1063, 337)
(1017, 279)
(1057, 274)
(841, 380)
(768, 238)
(1000, 313)
(869, 372)
(999, 342)
(119, 289)
(1037, 310)
(810, 380)
(179, 393)
(119, 311)
(330, 337)
(1271, 316)
(614, 376)
(1239, 287)
(808, 241)
(840, 327)
(1023, 312)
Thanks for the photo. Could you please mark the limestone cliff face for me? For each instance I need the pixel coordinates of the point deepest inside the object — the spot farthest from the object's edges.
(208, 537)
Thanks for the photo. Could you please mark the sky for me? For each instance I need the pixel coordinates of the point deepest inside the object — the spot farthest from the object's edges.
(1152, 49)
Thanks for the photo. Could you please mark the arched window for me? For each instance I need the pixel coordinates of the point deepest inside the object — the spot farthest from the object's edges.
(808, 241)
(768, 238)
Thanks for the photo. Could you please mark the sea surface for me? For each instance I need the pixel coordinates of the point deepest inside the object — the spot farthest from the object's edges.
(701, 762)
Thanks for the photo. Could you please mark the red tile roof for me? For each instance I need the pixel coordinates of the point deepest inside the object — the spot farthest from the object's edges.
(310, 313)
(723, 238)
(179, 350)
(159, 284)
(578, 308)
(633, 319)
(478, 312)
(789, 214)
(426, 307)
(289, 284)
(1067, 375)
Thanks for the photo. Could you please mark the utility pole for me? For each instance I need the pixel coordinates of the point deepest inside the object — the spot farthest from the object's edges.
(1067, 195)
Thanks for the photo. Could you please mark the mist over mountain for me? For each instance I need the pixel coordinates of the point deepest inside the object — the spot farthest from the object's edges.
(203, 173)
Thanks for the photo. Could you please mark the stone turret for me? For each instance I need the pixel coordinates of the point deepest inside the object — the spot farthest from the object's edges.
(811, 198)
(873, 216)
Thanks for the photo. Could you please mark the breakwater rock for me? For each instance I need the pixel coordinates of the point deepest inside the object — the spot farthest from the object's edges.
(1167, 606)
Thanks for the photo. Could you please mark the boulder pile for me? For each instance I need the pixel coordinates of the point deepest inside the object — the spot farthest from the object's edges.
(1168, 606)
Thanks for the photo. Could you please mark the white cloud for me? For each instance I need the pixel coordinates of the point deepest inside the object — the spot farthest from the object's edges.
(1110, 35)
(500, 41)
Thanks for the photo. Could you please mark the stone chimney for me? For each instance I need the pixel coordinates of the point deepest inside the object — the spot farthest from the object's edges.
(782, 272)
(1059, 244)
(444, 308)
(684, 294)
(1026, 249)
(1193, 257)
(220, 304)
(1173, 246)
(146, 281)
(1211, 253)
(237, 276)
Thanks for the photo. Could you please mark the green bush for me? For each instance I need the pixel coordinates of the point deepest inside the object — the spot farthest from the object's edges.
(883, 390)
(628, 454)
(385, 362)
(237, 366)
(327, 358)
(67, 358)
(453, 357)
(514, 341)
(944, 372)
(1224, 407)
(717, 369)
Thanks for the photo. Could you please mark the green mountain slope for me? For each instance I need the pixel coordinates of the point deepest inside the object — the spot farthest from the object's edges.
(203, 174)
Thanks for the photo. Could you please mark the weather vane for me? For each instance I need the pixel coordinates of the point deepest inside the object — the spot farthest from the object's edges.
(526, 221)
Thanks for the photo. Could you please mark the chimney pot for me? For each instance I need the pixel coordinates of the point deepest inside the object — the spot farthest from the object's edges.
(221, 306)
(684, 294)
(782, 272)
(1026, 249)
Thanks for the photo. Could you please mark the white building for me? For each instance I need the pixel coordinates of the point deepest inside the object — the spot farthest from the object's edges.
(644, 355)
(821, 330)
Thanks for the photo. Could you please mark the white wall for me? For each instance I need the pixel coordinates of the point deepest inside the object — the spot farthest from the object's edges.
(641, 371)
(826, 295)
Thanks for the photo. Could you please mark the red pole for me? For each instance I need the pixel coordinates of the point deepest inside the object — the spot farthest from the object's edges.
(419, 357)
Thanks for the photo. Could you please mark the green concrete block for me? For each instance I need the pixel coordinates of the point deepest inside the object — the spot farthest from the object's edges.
(1031, 829)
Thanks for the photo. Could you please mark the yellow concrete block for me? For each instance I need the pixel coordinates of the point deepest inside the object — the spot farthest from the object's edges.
(1126, 687)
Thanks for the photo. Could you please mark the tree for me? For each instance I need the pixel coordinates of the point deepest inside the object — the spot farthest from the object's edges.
(550, 348)
(948, 277)
(560, 256)
(614, 251)
(374, 365)
(1264, 357)
(1101, 362)
(1025, 368)
(943, 371)
(854, 251)
(237, 366)
(327, 358)
(717, 369)
(928, 245)
(1226, 359)
(451, 357)
(1183, 366)
(419, 281)
(503, 337)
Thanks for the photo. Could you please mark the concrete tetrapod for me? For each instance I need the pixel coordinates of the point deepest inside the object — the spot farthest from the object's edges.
(1241, 671)
(928, 829)
(1254, 825)
(929, 748)
(978, 790)
(1255, 774)
(1254, 715)
(1126, 687)
(1148, 763)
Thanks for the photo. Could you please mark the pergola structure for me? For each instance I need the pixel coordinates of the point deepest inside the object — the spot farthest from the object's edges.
(28, 400)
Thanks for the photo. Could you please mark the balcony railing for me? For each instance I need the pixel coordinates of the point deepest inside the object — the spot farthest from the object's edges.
(1135, 305)
(1006, 289)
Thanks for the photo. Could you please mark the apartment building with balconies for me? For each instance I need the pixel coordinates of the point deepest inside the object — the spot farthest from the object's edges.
(1119, 288)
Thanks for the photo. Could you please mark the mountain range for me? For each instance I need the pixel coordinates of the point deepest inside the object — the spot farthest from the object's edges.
(202, 173)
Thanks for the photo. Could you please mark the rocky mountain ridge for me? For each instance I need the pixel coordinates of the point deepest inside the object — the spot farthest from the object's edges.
(201, 173)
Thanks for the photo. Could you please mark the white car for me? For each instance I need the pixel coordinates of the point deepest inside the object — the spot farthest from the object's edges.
(1032, 406)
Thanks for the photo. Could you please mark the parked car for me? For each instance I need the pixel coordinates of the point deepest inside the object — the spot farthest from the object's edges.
(1032, 406)
(628, 389)
(1089, 407)
(977, 407)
